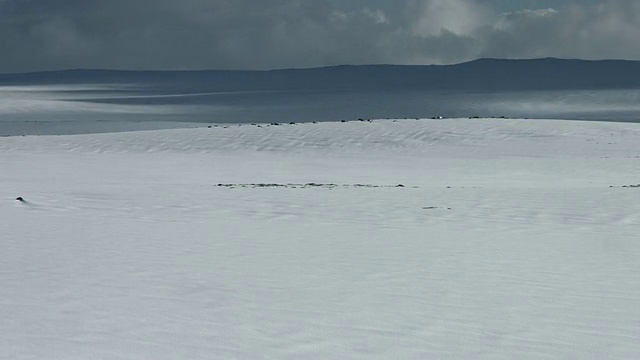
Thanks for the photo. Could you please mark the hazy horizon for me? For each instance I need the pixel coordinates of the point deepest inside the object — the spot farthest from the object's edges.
(326, 66)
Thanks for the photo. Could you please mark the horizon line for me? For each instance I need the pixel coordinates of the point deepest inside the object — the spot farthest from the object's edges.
(34, 72)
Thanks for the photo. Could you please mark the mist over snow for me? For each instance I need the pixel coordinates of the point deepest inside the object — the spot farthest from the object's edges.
(80, 101)
(256, 34)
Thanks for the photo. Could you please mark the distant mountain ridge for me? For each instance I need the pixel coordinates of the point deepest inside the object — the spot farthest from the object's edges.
(478, 75)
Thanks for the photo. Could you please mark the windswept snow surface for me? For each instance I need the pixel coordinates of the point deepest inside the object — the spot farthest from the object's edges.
(511, 239)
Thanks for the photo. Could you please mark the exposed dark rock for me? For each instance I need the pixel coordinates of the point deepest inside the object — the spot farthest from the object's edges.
(308, 185)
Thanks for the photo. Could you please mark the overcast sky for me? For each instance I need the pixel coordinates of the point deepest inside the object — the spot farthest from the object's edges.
(267, 34)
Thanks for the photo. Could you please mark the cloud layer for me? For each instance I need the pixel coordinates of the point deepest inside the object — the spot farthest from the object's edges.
(259, 34)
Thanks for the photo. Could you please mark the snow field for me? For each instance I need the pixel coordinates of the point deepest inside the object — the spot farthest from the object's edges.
(507, 241)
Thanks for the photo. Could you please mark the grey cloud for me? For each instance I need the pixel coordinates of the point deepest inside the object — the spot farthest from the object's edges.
(604, 30)
(259, 34)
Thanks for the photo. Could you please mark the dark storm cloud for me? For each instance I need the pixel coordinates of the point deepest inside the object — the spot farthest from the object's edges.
(261, 34)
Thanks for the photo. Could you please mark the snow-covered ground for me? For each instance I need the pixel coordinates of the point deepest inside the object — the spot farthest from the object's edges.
(510, 239)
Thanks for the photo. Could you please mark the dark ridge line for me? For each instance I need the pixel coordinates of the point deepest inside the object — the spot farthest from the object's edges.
(482, 74)
(309, 185)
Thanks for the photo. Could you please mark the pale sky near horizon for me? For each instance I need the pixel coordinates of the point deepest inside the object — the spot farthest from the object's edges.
(267, 34)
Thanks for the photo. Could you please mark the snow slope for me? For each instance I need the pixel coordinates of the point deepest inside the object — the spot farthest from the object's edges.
(510, 239)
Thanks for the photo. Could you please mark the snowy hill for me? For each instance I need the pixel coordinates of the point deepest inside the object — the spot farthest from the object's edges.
(507, 239)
